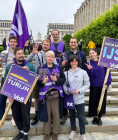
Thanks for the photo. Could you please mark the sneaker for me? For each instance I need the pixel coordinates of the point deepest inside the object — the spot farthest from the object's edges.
(13, 122)
(19, 136)
(72, 135)
(83, 137)
(25, 137)
(99, 121)
(95, 121)
(63, 120)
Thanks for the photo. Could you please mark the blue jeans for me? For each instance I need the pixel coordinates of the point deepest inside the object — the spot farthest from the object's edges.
(81, 118)
(2, 105)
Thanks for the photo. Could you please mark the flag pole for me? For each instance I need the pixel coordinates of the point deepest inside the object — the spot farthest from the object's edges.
(103, 91)
(5, 114)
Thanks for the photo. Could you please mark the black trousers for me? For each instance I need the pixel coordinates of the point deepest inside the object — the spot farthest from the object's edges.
(21, 115)
(81, 118)
(95, 93)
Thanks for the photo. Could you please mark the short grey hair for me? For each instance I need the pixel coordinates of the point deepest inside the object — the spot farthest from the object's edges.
(51, 53)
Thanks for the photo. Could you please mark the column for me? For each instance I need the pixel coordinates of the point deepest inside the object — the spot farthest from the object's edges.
(102, 6)
(85, 13)
(84, 16)
(94, 8)
(88, 12)
(98, 8)
(112, 2)
(107, 4)
(91, 10)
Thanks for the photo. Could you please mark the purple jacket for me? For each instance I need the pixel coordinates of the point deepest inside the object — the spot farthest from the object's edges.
(97, 75)
(43, 90)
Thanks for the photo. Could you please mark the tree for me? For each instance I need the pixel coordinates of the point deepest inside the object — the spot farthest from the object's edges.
(66, 39)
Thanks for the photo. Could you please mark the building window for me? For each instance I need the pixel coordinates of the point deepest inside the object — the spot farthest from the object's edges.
(1, 37)
(5, 32)
(1, 32)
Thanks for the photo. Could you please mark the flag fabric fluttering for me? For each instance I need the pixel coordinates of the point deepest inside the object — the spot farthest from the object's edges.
(20, 27)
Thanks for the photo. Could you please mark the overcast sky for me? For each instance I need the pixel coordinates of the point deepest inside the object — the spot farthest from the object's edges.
(41, 12)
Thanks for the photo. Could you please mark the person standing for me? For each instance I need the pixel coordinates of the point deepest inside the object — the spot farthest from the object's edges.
(20, 111)
(50, 93)
(57, 46)
(39, 58)
(80, 45)
(13, 42)
(77, 81)
(97, 76)
(4, 44)
(65, 57)
(91, 45)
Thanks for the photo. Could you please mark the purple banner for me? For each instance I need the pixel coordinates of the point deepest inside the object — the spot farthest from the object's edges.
(19, 84)
(20, 27)
(109, 53)
(4, 56)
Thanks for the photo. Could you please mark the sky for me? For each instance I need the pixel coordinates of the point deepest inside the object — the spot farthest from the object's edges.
(41, 12)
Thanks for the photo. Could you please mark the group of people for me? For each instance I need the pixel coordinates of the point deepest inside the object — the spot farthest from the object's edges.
(61, 89)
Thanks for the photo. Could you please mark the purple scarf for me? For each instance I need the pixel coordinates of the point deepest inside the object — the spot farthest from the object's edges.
(23, 64)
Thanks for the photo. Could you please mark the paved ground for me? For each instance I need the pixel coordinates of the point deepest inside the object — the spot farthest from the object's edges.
(90, 136)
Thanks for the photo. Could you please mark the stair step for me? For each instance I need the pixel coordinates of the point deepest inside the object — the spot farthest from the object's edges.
(110, 111)
(109, 124)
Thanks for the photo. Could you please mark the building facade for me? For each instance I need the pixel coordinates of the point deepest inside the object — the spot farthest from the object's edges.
(5, 27)
(63, 29)
(89, 10)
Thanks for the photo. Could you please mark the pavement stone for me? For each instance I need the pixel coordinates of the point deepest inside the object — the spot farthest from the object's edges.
(90, 136)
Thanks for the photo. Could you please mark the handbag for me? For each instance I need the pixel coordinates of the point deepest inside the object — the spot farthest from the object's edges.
(52, 93)
(68, 99)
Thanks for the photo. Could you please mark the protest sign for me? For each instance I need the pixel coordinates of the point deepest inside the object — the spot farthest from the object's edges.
(109, 53)
(4, 56)
(19, 84)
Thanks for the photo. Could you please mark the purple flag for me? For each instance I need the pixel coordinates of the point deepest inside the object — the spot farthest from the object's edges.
(20, 27)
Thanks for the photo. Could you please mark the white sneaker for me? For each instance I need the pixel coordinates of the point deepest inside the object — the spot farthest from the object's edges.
(83, 137)
(72, 135)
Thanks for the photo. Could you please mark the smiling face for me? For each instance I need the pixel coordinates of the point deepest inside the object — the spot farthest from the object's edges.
(74, 63)
(45, 46)
(73, 43)
(13, 43)
(49, 58)
(19, 56)
(93, 54)
(55, 35)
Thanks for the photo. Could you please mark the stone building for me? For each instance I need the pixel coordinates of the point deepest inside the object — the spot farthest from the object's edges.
(89, 10)
(5, 27)
(63, 29)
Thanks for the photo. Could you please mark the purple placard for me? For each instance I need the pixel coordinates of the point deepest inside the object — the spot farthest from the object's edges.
(4, 56)
(42, 73)
(19, 83)
(109, 53)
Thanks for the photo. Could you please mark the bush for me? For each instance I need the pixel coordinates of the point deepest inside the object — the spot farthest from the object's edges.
(1, 49)
(66, 39)
(106, 25)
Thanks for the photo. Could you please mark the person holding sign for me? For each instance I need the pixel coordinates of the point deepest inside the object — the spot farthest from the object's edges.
(77, 82)
(50, 93)
(97, 75)
(13, 42)
(39, 58)
(20, 111)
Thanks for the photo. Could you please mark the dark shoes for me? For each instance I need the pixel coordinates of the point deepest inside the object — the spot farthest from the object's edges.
(86, 122)
(19, 136)
(47, 137)
(97, 121)
(25, 137)
(34, 121)
(55, 137)
(63, 120)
